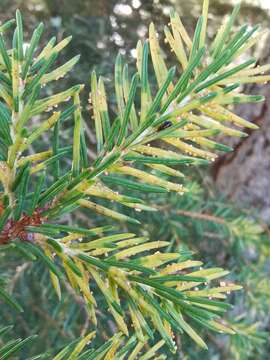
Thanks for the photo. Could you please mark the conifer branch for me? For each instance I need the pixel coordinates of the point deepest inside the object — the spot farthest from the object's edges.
(183, 111)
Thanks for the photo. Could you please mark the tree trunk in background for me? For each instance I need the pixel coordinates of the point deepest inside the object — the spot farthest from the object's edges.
(245, 173)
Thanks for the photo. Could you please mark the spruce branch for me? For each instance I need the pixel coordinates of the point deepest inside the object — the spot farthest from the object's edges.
(117, 347)
(183, 111)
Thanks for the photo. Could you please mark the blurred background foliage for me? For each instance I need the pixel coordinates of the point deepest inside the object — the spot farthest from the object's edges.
(222, 231)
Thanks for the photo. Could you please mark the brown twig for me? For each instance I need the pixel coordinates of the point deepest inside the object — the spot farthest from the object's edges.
(17, 229)
(201, 216)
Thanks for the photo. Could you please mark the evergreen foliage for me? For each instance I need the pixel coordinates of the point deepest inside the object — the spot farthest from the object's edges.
(156, 131)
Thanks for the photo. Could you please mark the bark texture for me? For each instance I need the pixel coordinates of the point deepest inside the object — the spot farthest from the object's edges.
(245, 173)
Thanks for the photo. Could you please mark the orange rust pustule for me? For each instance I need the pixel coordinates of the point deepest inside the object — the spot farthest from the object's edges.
(16, 229)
